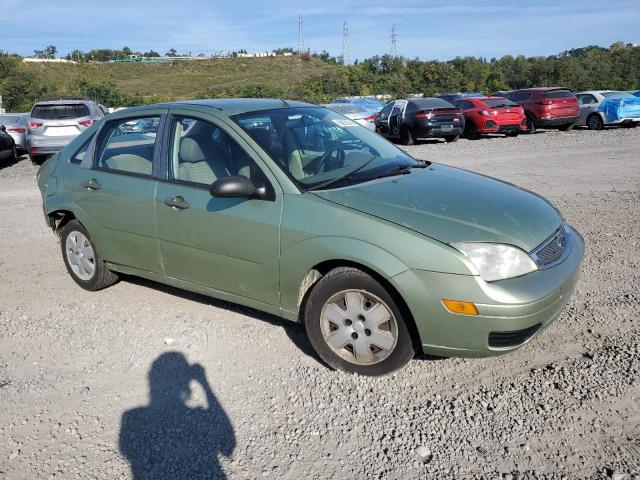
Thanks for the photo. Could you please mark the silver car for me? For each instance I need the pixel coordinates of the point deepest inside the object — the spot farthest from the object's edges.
(600, 108)
(16, 126)
(54, 123)
(363, 116)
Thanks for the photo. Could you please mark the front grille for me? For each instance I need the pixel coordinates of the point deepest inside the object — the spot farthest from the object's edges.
(512, 339)
(553, 249)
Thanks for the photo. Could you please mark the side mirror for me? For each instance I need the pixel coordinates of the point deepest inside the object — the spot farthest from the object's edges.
(233, 187)
(3, 128)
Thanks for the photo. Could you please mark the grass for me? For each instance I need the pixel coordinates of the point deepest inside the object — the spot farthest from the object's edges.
(183, 79)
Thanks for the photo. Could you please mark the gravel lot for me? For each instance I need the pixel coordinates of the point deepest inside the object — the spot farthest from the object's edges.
(89, 387)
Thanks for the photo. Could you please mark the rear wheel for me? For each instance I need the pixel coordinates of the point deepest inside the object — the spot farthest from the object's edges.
(14, 153)
(566, 128)
(471, 131)
(531, 125)
(452, 139)
(630, 125)
(355, 325)
(405, 136)
(594, 122)
(512, 134)
(37, 159)
(83, 263)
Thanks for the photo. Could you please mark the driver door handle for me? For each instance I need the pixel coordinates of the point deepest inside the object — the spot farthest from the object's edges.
(176, 203)
(91, 184)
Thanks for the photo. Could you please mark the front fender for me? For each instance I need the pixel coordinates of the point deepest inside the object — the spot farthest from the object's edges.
(298, 259)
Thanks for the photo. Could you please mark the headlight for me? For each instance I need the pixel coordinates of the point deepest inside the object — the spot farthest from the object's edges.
(495, 261)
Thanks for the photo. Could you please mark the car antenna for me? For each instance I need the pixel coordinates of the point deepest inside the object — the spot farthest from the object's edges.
(286, 104)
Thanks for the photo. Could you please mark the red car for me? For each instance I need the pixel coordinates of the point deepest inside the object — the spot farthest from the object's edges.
(491, 115)
(547, 107)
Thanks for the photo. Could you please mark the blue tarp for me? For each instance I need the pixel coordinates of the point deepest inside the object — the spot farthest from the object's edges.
(637, 94)
(616, 109)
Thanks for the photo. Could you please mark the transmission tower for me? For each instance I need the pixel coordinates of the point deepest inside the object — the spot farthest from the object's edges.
(394, 41)
(346, 60)
(300, 36)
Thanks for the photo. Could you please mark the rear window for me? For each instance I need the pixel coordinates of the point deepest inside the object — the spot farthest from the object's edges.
(10, 119)
(432, 103)
(558, 94)
(344, 108)
(499, 102)
(58, 112)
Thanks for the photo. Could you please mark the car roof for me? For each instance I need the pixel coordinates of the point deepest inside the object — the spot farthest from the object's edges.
(62, 101)
(540, 89)
(232, 106)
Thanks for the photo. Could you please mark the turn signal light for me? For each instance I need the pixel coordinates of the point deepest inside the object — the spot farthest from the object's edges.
(460, 307)
(35, 125)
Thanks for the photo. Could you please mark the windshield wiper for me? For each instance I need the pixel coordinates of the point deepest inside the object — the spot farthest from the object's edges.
(344, 175)
(401, 169)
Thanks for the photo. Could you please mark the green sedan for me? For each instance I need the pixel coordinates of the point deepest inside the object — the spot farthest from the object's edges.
(297, 211)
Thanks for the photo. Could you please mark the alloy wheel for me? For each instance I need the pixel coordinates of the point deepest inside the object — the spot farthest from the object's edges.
(359, 327)
(80, 255)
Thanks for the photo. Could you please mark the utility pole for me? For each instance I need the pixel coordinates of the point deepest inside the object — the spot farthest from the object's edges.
(300, 36)
(346, 60)
(394, 42)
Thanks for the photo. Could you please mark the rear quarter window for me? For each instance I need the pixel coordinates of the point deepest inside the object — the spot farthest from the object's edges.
(59, 112)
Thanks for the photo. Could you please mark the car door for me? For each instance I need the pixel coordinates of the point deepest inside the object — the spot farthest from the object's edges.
(231, 245)
(116, 189)
(396, 117)
(588, 104)
(383, 119)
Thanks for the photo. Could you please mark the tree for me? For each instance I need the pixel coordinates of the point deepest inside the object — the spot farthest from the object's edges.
(171, 53)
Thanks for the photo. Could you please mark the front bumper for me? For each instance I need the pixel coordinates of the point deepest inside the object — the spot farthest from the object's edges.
(517, 308)
(556, 122)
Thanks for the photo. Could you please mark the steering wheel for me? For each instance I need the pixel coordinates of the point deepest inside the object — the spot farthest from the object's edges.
(332, 159)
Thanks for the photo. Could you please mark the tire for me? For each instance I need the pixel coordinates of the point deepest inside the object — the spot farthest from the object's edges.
(471, 131)
(531, 125)
(512, 134)
(594, 122)
(14, 154)
(37, 159)
(405, 136)
(326, 313)
(452, 139)
(630, 125)
(566, 128)
(100, 276)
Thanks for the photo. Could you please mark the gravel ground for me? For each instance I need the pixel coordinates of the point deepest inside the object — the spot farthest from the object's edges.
(96, 385)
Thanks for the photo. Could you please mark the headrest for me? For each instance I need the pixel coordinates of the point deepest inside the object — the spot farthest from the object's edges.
(191, 151)
(262, 137)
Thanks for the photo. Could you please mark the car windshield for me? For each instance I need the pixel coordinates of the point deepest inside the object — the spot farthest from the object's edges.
(617, 95)
(315, 145)
(59, 111)
(10, 119)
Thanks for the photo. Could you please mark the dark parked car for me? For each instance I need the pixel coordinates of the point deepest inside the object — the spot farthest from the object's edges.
(547, 107)
(7, 146)
(409, 120)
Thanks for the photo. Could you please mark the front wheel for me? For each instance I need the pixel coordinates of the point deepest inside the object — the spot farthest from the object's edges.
(452, 139)
(630, 125)
(471, 131)
(83, 263)
(355, 325)
(531, 125)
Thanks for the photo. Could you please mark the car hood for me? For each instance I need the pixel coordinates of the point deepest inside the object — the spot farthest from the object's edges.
(453, 205)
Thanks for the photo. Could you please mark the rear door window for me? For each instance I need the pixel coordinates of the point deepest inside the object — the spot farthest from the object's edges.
(59, 112)
(128, 145)
(586, 99)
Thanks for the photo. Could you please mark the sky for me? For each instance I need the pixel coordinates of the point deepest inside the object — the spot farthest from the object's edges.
(427, 29)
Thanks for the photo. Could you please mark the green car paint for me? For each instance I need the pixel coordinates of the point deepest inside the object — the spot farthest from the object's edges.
(266, 253)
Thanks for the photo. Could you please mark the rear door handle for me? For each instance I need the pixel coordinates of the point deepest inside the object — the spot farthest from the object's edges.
(176, 202)
(91, 184)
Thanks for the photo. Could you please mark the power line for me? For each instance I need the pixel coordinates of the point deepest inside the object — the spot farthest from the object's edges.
(394, 41)
(301, 49)
(346, 60)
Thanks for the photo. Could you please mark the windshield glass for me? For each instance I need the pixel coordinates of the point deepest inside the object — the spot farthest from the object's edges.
(10, 119)
(345, 108)
(314, 145)
(617, 95)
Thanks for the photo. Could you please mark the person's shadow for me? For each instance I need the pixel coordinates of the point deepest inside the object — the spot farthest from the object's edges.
(169, 440)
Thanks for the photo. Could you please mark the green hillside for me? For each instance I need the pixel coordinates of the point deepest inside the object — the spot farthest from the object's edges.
(184, 79)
